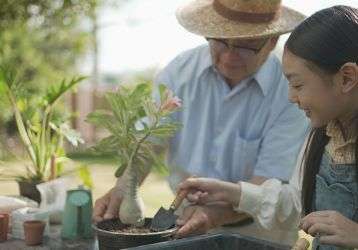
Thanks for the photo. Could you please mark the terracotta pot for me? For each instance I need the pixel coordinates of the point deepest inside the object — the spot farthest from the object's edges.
(34, 230)
(4, 226)
(109, 239)
(29, 190)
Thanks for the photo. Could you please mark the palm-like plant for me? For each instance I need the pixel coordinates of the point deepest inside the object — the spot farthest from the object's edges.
(41, 134)
(137, 126)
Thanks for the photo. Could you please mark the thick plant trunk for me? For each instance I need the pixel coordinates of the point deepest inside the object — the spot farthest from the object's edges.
(132, 207)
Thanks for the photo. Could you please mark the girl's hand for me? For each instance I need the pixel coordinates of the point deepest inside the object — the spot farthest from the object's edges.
(332, 227)
(207, 190)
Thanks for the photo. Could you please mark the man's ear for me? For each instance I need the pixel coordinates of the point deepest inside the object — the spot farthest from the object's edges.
(349, 77)
(273, 42)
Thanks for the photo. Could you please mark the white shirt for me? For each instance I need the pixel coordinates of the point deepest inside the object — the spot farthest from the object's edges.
(275, 205)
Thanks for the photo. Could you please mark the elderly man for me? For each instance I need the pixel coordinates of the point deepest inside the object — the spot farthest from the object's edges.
(237, 122)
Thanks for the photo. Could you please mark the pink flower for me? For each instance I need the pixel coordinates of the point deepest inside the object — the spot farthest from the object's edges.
(170, 102)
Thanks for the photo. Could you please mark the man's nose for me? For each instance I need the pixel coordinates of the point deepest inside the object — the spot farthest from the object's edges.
(230, 55)
(292, 97)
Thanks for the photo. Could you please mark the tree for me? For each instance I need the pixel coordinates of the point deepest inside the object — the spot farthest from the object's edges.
(44, 40)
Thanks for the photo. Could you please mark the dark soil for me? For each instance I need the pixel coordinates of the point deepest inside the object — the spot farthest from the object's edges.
(115, 225)
(135, 230)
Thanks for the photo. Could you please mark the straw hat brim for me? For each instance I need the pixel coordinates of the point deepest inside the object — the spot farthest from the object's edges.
(199, 17)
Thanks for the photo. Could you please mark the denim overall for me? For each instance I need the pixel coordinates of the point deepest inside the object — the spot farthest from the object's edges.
(336, 189)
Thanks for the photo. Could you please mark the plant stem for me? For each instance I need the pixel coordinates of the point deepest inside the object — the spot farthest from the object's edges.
(131, 210)
(140, 142)
(44, 143)
(53, 167)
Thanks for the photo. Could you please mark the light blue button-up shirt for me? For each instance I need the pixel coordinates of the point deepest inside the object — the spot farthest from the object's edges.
(231, 134)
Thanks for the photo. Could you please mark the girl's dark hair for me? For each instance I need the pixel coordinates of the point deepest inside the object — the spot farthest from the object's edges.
(327, 40)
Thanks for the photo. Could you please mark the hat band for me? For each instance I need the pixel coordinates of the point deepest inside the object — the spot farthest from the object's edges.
(241, 16)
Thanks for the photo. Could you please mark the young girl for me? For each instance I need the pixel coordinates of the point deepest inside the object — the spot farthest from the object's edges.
(320, 62)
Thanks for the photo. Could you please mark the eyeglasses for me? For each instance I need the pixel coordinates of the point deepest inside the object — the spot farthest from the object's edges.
(221, 45)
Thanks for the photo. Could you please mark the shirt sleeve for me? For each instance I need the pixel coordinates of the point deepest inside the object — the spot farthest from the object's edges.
(167, 77)
(274, 205)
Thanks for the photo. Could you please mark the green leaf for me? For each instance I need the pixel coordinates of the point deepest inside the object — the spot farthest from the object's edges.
(100, 118)
(108, 144)
(8, 77)
(71, 135)
(162, 88)
(120, 170)
(85, 176)
(164, 130)
(140, 91)
(56, 91)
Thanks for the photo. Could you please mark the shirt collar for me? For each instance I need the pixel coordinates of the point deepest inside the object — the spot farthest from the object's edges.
(265, 76)
(205, 60)
(334, 131)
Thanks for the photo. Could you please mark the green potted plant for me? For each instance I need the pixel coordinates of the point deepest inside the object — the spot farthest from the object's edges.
(41, 131)
(137, 126)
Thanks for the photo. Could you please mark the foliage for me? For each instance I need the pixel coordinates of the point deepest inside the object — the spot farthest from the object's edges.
(136, 125)
(85, 176)
(44, 40)
(41, 131)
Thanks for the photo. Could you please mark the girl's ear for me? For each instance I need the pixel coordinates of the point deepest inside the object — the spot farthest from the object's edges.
(349, 77)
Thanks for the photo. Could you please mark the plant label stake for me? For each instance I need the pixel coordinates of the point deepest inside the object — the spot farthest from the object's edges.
(165, 219)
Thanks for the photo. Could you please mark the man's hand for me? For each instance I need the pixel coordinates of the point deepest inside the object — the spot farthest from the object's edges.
(107, 206)
(332, 227)
(200, 219)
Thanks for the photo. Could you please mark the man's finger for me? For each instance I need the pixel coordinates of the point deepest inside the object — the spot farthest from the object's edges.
(192, 226)
(321, 228)
(308, 222)
(98, 213)
(112, 209)
(331, 240)
(325, 213)
(187, 213)
(99, 209)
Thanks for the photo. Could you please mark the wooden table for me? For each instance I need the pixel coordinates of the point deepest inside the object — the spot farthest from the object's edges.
(53, 242)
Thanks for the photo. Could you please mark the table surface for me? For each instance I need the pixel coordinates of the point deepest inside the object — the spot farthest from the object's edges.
(54, 241)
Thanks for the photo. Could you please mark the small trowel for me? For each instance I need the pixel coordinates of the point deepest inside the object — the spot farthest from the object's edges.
(165, 219)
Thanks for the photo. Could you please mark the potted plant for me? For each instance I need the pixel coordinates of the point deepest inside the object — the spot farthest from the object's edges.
(137, 126)
(41, 131)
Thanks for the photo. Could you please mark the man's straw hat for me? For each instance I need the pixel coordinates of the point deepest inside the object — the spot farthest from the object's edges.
(245, 19)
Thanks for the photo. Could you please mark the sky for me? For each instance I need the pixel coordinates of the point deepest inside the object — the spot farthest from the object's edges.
(144, 33)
